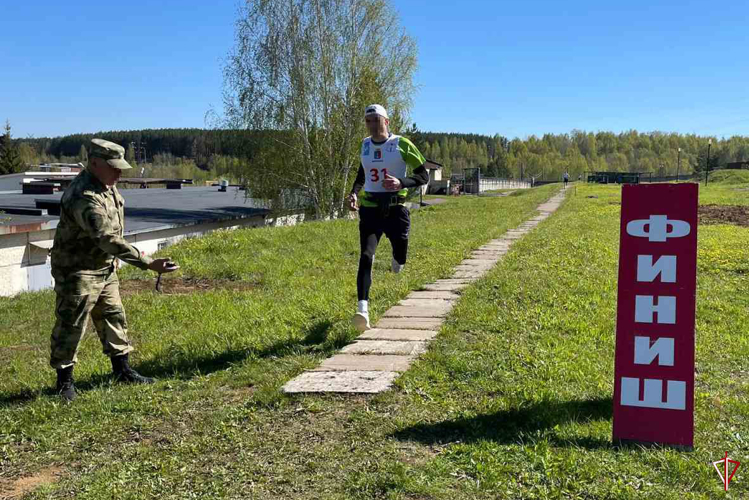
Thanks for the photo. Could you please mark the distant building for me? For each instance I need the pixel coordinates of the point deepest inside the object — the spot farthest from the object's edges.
(435, 183)
(60, 167)
(738, 165)
(14, 183)
(614, 177)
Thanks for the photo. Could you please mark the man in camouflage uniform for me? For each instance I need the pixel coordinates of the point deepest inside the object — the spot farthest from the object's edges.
(88, 241)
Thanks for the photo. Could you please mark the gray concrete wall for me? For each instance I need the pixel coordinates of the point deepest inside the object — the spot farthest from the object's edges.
(25, 266)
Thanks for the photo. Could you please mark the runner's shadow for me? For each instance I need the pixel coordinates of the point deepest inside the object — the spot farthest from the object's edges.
(516, 425)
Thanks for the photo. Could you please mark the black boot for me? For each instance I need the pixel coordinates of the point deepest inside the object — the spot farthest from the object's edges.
(65, 387)
(123, 372)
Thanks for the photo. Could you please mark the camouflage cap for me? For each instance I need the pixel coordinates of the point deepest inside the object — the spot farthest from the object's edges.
(113, 153)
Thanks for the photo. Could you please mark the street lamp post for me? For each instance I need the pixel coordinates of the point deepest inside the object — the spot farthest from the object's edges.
(707, 165)
(678, 166)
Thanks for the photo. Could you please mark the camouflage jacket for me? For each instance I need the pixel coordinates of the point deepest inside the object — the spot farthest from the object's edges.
(90, 233)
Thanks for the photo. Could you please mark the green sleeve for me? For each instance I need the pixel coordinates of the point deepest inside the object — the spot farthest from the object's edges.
(410, 154)
(91, 216)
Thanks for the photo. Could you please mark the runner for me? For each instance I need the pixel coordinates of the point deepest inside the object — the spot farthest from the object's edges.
(385, 161)
(566, 179)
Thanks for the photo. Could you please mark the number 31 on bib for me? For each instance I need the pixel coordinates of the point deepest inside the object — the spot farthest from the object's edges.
(378, 175)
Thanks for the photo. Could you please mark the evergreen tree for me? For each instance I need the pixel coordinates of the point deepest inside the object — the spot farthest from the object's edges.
(10, 158)
(130, 154)
(701, 163)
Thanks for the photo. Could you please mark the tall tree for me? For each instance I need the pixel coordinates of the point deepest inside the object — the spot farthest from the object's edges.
(28, 155)
(130, 154)
(10, 158)
(308, 68)
(701, 164)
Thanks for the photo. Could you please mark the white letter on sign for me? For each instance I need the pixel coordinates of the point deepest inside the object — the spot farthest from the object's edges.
(658, 228)
(675, 400)
(665, 266)
(646, 353)
(644, 309)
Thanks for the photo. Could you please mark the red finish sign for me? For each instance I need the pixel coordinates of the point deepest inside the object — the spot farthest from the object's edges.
(654, 366)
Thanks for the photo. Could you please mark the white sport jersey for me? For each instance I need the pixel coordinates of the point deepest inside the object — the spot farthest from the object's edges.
(380, 160)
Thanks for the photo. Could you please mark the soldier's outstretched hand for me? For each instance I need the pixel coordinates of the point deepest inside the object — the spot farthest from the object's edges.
(163, 266)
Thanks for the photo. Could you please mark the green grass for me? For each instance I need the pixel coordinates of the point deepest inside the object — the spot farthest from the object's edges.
(724, 194)
(512, 400)
(242, 345)
(527, 358)
(731, 177)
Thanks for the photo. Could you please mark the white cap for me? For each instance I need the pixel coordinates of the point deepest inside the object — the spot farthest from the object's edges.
(376, 109)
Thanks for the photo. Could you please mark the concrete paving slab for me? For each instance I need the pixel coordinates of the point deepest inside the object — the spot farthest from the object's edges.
(549, 207)
(428, 303)
(481, 263)
(373, 362)
(417, 312)
(359, 382)
(409, 323)
(446, 295)
(394, 334)
(469, 274)
(473, 269)
(399, 347)
(465, 265)
(444, 287)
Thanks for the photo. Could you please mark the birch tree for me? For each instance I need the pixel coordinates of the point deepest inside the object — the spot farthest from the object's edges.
(305, 70)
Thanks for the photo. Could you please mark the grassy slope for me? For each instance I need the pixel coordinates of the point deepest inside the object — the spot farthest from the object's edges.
(245, 344)
(513, 399)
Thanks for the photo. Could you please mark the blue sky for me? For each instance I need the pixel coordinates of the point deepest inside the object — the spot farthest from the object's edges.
(514, 68)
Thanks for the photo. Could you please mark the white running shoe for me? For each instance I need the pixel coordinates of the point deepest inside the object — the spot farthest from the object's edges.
(361, 321)
(397, 267)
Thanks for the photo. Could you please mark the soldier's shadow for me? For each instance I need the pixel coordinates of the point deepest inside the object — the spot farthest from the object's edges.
(188, 367)
(184, 368)
(516, 425)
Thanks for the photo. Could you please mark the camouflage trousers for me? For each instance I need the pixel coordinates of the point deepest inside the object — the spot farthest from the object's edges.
(78, 296)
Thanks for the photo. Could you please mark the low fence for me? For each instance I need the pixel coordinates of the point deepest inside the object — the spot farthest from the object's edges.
(493, 184)
(461, 185)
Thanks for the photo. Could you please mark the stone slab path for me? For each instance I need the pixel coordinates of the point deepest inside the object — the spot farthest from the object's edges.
(378, 356)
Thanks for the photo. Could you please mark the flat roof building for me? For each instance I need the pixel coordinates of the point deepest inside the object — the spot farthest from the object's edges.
(154, 219)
